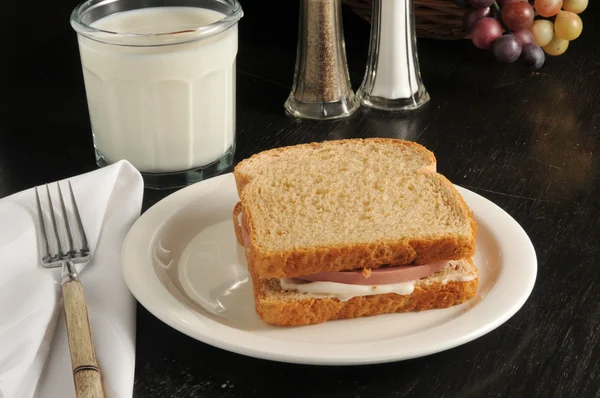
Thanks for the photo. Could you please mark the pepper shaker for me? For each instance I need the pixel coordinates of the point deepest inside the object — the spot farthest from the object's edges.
(321, 88)
(392, 79)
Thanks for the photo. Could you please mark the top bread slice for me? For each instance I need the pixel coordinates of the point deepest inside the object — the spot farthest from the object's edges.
(355, 212)
(388, 155)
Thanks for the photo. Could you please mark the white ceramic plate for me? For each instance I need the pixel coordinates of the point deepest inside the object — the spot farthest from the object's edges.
(181, 261)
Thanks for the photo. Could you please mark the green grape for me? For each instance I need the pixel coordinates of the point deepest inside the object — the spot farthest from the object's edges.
(568, 25)
(557, 46)
(576, 6)
(543, 31)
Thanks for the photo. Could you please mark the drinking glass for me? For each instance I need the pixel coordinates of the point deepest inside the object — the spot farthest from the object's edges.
(160, 84)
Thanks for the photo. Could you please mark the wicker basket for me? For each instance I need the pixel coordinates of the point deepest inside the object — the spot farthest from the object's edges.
(435, 19)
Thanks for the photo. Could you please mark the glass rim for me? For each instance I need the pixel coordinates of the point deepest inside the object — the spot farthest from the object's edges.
(175, 37)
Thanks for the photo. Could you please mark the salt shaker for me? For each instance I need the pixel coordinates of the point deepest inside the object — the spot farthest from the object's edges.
(321, 88)
(392, 79)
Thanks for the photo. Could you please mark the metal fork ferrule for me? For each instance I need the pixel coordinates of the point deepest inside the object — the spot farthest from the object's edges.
(69, 273)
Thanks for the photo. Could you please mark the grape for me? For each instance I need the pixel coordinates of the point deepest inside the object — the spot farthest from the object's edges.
(543, 31)
(533, 56)
(481, 3)
(473, 15)
(576, 6)
(502, 3)
(568, 25)
(507, 48)
(524, 36)
(518, 15)
(461, 3)
(485, 32)
(557, 46)
(548, 8)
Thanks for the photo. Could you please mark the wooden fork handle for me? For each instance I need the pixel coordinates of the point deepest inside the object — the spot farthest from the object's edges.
(86, 372)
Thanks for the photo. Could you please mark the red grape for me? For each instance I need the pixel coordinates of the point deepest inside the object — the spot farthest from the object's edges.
(525, 36)
(548, 8)
(533, 56)
(485, 32)
(481, 3)
(473, 15)
(507, 48)
(518, 15)
(502, 3)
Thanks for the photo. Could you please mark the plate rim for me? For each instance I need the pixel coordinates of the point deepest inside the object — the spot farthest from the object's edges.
(226, 337)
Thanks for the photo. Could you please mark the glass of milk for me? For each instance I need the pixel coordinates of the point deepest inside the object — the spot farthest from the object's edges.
(160, 84)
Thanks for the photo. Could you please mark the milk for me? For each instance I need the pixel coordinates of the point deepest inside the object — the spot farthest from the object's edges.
(164, 108)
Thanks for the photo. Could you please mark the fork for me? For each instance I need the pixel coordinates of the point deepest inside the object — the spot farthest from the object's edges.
(86, 371)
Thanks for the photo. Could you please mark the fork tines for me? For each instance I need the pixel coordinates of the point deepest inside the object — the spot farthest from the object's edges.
(65, 248)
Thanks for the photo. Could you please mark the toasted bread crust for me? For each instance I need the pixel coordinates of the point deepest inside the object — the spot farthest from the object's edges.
(242, 179)
(334, 259)
(237, 210)
(328, 258)
(310, 310)
(344, 258)
(338, 257)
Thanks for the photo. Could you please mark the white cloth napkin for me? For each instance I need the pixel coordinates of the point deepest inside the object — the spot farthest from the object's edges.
(34, 352)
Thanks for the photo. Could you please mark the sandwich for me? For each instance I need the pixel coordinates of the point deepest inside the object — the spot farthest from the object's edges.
(352, 228)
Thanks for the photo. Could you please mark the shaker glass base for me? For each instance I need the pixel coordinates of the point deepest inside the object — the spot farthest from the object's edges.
(321, 110)
(398, 104)
(183, 178)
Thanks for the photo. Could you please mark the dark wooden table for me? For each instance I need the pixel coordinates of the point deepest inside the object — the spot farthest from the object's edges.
(527, 141)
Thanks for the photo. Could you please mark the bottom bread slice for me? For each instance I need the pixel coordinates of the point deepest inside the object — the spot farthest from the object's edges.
(453, 285)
